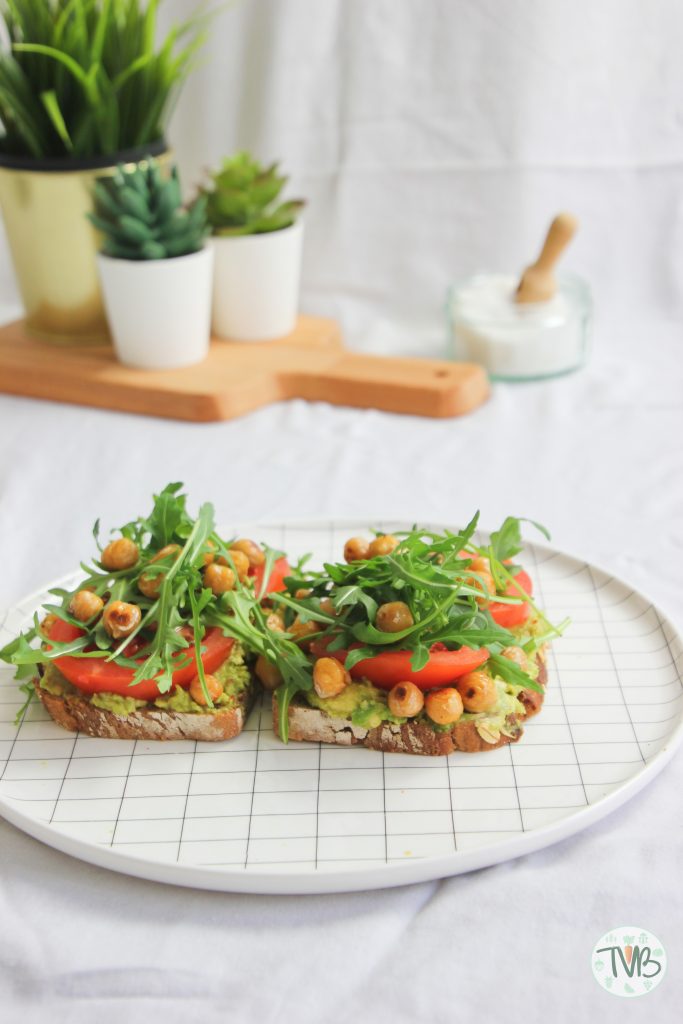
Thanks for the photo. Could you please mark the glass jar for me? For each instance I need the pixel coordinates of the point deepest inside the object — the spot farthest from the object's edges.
(520, 341)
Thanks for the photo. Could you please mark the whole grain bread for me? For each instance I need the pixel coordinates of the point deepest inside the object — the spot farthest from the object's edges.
(311, 724)
(77, 714)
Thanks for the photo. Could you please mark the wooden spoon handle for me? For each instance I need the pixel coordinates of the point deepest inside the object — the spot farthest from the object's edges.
(560, 234)
(418, 387)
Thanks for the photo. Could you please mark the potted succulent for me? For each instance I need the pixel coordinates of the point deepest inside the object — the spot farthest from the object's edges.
(155, 270)
(257, 251)
(82, 88)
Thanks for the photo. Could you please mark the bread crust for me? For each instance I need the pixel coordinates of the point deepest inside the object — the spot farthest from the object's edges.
(77, 714)
(313, 725)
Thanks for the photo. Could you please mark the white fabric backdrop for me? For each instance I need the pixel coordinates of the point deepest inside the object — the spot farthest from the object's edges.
(432, 139)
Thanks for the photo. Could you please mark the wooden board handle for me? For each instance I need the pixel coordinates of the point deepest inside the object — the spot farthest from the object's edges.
(418, 387)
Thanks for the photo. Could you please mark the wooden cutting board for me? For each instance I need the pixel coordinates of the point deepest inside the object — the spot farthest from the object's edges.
(238, 377)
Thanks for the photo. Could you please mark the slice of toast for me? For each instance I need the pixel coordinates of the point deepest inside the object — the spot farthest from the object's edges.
(413, 737)
(77, 714)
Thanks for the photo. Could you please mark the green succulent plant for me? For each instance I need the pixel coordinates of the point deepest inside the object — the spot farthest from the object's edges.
(243, 199)
(84, 78)
(141, 215)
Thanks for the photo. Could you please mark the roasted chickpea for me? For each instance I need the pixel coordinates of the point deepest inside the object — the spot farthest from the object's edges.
(168, 552)
(479, 564)
(483, 581)
(120, 554)
(209, 555)
(220, 578)
(393, 617)
(149, 583)
(302, 593)
(444, 706)
(382, 545)
(267, 672)
(120, 618)
(85, 605)
(356, 549)
(239, 561)
(47, 623)
(326, 607)
(517, 655)
(275, 622)
(406, 700)
(301, 630)
(478, 691)
(254, 553)
(329, 677)
(213, 685)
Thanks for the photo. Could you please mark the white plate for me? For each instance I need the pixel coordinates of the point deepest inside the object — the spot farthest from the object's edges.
(253, 815)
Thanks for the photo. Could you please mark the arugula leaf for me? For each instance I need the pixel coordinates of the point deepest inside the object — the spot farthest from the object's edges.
(352, 595)
(512, 673)
(167, 515)
(507, 541)
(29, 691)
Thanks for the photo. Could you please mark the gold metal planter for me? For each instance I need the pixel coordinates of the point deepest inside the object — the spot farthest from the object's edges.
(53, 245)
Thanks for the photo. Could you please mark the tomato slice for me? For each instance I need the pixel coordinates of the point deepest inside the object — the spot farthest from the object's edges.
(508, 615)
(95, 675)
(276, 581)
(443, 667)
(391, 667)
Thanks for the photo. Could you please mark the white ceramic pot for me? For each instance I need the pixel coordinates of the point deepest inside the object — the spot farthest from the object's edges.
(159, 311)
(256, 284)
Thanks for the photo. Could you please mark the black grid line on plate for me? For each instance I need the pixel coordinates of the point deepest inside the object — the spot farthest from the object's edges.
(667, 642)
(66, 770)
(557, 674)
(450, 803)
(591, 573)
(362, 768)
(341, 835)
(187, 797)
(271, 792)
(516, 787)
(123, 794)
(253, 787)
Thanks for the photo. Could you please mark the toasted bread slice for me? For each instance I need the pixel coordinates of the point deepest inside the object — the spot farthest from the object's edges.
(413, 737)
(77, 714)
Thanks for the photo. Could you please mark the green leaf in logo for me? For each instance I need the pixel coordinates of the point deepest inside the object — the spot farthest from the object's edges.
(627, 988)
(628, 939)
(657, 952)
(608, 980)
(598, 965)
(647, 984)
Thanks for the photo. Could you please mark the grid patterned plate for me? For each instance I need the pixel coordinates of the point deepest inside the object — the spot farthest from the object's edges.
(253, 815)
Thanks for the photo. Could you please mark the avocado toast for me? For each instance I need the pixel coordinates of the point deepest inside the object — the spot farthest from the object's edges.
(419, 642)
(142, 648)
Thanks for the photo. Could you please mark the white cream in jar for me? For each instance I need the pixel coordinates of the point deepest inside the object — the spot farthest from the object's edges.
(520, 341)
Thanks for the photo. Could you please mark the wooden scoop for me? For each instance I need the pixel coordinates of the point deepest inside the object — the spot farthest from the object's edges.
(538, 282)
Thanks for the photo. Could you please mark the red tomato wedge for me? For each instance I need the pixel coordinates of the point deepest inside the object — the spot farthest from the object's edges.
(508, 615)
(95, 675)
(391, 667)
(443, 667)
(276, 580)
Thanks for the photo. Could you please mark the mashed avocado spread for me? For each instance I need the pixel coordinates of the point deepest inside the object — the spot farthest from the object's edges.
(366, 705)
(233, 674)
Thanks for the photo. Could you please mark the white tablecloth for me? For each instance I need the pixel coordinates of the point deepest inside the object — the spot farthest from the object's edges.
(596, 456)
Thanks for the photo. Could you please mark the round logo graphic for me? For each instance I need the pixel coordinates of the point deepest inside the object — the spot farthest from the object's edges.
(628, 961)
